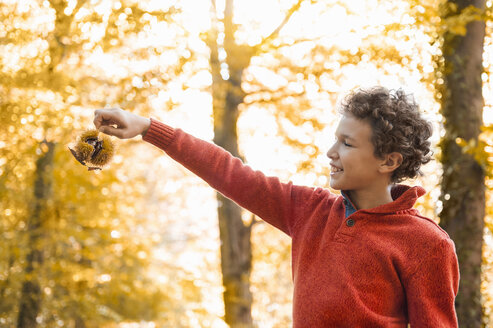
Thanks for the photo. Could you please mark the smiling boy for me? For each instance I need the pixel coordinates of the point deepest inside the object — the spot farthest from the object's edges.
(365, 258)
(354, 167)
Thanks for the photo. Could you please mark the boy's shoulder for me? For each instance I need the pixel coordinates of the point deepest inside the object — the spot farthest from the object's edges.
(417, 233)
(410, 219)
(426, 226)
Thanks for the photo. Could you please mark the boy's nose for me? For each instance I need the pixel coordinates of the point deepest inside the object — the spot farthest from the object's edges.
(331, 153)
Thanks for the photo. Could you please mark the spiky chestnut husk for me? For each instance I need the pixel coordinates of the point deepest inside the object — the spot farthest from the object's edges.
(89, 134)
(83, 150)
(93, 149)
(105, 154)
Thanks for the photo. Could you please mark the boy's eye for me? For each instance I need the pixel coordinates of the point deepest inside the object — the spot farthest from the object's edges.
(346, 144)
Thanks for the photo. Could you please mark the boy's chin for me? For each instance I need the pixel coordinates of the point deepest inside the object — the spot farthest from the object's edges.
(336, 186)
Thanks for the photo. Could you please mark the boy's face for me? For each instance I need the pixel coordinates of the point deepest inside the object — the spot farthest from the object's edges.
(353, 163)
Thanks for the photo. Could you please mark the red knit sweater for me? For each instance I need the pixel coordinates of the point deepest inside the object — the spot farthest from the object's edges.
(387, 267)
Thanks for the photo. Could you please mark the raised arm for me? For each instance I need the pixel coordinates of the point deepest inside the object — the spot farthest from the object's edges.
(280, 204)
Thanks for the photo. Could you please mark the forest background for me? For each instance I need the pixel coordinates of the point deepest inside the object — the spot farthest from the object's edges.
(139, 244)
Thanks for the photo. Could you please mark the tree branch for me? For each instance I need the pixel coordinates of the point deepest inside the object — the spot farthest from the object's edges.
(294, 42)
(253, 221)
(79, 5)
(213, 2)
(274, 33)
(268, 97)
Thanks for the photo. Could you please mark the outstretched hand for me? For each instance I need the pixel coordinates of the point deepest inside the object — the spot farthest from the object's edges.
(120, 123)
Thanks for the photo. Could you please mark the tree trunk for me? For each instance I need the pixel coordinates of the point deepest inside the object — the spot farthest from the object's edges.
(31, 293)
(79, 322)
(236, 250)
(463, 185)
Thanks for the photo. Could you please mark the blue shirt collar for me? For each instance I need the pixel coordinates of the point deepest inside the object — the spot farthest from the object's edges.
(350, 209)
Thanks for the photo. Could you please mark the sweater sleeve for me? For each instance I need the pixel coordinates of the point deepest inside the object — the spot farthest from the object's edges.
(266, 197)
(432, 289)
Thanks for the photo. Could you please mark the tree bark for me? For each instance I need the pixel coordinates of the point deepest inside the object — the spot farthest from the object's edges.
(79, 322)
(31, 293)
(236, 250)
(463, 182)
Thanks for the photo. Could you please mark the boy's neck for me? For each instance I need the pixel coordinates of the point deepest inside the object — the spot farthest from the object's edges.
(370, 198)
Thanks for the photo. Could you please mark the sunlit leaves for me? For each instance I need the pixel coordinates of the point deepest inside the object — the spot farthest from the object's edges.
(93, 260)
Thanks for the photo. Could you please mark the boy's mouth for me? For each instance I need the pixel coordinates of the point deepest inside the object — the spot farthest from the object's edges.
(335, 169)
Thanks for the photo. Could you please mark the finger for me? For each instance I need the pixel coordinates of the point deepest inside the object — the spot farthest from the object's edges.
(107, 116)
(97, 119)
(112, 131)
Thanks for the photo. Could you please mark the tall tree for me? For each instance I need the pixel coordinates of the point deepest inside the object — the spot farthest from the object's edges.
(228, 95)
(463, 181)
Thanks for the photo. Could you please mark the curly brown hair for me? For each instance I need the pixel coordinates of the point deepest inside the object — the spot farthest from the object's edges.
(396, 124)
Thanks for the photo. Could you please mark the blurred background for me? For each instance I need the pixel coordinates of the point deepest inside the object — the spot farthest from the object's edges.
(138, 244)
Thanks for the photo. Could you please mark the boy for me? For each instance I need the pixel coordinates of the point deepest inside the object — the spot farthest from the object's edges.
(365, 258)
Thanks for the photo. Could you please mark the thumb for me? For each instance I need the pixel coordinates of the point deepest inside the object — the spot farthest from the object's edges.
(112, 131)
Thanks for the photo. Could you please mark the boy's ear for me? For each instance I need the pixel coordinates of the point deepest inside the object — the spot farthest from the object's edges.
(391, 162)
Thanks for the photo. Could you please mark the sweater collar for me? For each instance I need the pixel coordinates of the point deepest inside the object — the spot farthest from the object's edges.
(404, 199)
